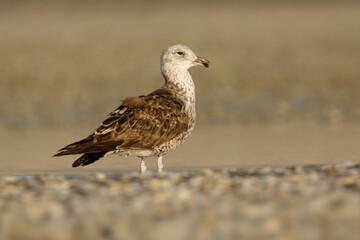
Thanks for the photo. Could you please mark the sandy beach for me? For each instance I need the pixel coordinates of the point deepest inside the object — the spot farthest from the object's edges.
(208, 147)
(311, 202)
(249, 182)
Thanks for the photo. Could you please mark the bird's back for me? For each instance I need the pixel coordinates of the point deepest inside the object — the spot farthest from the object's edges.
(140, 123)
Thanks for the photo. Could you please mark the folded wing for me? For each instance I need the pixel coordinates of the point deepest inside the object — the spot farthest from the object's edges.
(143, 122)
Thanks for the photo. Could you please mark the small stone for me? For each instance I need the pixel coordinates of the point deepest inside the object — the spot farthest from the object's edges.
(348, 164)
(348, 182)
(100, 176)
(253, 171)
(10, 179)
(328, 169)
(299, 170)
(206, 171)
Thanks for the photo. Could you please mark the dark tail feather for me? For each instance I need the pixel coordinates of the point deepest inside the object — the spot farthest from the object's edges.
(88, 158)
(76, 147)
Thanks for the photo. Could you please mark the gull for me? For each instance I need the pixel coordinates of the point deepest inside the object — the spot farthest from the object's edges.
(148, 125)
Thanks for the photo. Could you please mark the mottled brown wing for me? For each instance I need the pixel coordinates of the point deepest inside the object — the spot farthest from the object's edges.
(139, 123)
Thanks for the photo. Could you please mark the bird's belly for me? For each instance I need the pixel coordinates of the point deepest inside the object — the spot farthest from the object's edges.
(133, 152)
(174, 143)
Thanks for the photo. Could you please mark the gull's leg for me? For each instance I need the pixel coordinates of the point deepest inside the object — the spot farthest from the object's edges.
(160, 165)
(142, 165)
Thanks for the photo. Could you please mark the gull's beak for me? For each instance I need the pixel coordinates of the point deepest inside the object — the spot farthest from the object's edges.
(202, 62)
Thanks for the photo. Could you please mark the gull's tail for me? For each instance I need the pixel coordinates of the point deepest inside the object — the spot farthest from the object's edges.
(92, 151)
(88, 158)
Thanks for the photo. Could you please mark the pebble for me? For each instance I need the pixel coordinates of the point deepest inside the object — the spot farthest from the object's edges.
(266, 202)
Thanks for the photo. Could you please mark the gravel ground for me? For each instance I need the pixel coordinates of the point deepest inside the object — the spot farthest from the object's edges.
(268, 202)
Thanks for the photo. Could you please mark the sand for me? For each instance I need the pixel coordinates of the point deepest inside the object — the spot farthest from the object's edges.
(225, 182)
(28, 152)
(311, 202)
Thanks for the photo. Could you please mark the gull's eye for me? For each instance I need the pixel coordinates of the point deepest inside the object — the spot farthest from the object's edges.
(180, 53)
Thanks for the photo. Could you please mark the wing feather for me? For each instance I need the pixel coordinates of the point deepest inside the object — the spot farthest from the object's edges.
(139, 123)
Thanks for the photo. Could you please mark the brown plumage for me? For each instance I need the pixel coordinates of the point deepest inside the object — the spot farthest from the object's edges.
(148, 125)
(143, 122)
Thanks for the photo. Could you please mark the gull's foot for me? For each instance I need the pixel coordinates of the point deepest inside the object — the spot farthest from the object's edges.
(142, 166)
(160, 165)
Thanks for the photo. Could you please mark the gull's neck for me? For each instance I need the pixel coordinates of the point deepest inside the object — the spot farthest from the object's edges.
(180, 80)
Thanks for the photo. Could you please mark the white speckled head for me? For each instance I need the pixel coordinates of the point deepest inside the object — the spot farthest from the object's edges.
(181, 56)
(177, 59)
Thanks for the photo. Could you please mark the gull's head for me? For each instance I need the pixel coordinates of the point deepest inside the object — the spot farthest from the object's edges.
(181, 57)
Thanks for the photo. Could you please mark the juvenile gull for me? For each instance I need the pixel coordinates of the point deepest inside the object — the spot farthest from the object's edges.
(150, 125)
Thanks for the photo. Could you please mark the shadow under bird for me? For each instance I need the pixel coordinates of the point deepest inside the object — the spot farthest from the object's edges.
(150, 125)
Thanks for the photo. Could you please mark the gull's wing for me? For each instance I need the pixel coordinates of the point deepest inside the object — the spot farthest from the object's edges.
(139, 123)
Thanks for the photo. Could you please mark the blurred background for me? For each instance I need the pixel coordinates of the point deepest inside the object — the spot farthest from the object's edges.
(284, 86)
